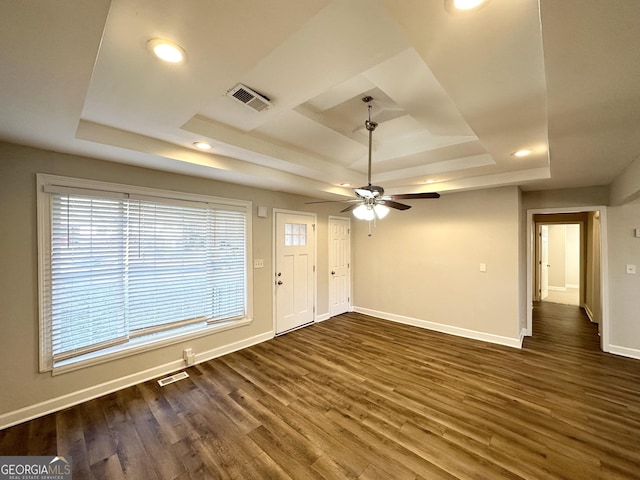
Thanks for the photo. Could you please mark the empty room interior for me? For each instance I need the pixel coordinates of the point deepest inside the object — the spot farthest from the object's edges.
(365, 239)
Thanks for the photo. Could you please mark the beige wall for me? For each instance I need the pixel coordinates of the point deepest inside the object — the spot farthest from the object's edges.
(626, 186)
(18, 272)
(568, 197)
(624, 249)
(423, 263)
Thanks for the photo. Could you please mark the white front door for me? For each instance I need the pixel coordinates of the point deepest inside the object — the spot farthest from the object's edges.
(295, 266)
(339, 265)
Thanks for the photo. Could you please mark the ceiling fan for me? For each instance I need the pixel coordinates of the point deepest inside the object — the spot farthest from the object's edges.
(371, 202)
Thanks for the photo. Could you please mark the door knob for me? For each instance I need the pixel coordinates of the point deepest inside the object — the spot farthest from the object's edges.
(279, 282)
(333, 273)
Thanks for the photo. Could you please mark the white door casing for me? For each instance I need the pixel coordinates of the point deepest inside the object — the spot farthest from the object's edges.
(544, 261)
(294, 276)
(601, 211)
(339, 265)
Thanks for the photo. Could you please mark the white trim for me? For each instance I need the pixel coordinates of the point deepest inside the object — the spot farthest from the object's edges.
(625, 351)
(556, 289)
(54, 183)
(57, 181)
(571, 285)
(523, 333)
(440, 327)
(604, 265)
(323, 317)
(59, 403)
(329, 237)
(119, 351)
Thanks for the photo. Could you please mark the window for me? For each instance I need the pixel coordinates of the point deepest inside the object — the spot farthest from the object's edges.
(295, 234)
(126, 268)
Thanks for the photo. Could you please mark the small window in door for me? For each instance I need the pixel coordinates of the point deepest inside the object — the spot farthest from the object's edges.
(295, 234)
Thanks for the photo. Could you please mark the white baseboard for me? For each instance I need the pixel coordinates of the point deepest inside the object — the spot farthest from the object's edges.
(322, 317)
(439, 327)
(571, 285)
(557, 289)
(624, 351)
(55, 404)
(589, 313)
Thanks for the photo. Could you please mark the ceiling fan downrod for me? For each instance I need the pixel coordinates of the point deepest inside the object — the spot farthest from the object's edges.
(370, 126)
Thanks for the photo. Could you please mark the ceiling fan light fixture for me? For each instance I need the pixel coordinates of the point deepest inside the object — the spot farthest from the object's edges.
(381, 211)
(364, 212)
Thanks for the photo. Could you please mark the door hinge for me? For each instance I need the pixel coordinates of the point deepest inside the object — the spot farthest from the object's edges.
(314, 268)
(314, 309)
(348, 265)
(314, 226)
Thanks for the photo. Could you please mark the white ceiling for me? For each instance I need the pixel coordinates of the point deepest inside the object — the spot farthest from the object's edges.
(455, 94)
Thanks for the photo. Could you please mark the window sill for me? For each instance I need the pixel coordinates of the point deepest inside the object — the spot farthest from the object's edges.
(143, 344)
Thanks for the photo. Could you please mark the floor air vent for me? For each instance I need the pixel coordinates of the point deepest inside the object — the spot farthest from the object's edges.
(249, 97)
(173, 378)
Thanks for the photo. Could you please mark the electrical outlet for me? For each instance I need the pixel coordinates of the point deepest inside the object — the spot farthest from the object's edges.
(631, 269)
(258, 263)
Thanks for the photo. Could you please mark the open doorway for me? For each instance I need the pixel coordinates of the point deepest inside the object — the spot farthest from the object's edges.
(559, 263)
(592, 270)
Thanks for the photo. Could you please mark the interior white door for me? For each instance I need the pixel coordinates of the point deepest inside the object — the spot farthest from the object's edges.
(339, 265)
(544, 261)
(294, 275)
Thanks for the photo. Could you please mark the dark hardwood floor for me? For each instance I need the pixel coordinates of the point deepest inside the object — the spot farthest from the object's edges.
(362, 398)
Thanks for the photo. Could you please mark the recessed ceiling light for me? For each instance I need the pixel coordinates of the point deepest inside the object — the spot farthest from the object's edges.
(202, 145)
(464, 5)
(346, 184)
(430, 181)
(522, 153)
(166, 50)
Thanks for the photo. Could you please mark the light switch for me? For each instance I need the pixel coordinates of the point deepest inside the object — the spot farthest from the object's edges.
(483, 267)
(631, 269)
(258, 263)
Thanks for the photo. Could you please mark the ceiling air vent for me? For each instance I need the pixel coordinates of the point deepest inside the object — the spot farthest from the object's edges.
(249, 97)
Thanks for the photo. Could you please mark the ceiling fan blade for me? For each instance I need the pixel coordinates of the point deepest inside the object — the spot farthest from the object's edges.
(350, 207)
(396, 205)
(407, 196)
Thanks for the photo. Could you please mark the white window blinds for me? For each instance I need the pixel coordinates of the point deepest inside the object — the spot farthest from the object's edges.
(123, 267)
